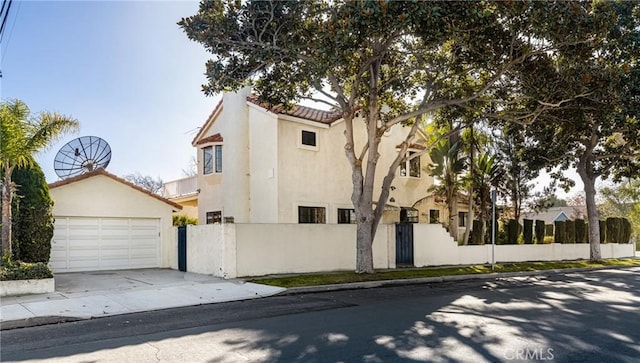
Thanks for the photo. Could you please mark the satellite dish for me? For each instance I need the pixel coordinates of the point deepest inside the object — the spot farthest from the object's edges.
(82, 155)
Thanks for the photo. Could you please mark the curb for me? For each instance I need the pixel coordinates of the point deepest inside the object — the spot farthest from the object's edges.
(439, 279)
(36, 321)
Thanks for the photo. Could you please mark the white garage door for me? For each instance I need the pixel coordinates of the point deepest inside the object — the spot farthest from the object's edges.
(89, 244)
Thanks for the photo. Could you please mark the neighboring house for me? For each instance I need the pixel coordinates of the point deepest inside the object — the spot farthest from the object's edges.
(558, 214)
(260, 165)
(103, 222)
(184, 192)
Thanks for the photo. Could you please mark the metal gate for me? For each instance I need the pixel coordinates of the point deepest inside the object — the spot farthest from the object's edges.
(182, 248)
(404, 244)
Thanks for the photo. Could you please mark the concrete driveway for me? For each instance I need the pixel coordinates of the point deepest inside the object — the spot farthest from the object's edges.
(85, 295)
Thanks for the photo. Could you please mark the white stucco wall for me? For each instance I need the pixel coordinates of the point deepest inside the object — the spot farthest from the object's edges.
(264, 249)
(228, 191)
(102, 196)
(322, 177)
(263, 163)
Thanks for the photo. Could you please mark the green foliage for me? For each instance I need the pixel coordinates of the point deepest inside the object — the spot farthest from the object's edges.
(614, 230)
(625, 235)
(539, 232)
(623, 200)
(559, 232)
(570, 231)
(180, 220)
(603, 231)
(21, 136)
(10, 270)
(581, 231)
(528, 231)
(476, 234)
(32, 215)
(513, 231)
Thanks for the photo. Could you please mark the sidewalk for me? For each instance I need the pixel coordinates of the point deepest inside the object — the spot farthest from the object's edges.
(86, 295)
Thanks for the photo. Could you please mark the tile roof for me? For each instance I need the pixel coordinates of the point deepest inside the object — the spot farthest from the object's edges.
(103, 172)
(303, 112)
(212, 138)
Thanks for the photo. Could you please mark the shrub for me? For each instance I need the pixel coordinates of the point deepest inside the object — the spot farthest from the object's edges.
(540, 231)
(32, 222)
(548, 230)
(512, 231)
(603, 231)
(548, 239)
(581, 231)
(527, 232)
(476, 234)
(570, 231)
(180, 220)
(625, 236)
(10, 271)
(559, 235)
(614, 230)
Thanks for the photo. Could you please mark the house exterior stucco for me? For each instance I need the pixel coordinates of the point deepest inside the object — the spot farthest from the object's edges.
(267, 172)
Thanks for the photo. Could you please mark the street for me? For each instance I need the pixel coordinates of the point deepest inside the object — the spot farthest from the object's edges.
(574, 317)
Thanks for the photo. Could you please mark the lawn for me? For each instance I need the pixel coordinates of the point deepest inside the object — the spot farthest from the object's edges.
(399, 274)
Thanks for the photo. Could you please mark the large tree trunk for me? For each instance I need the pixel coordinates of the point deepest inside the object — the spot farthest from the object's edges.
(365, 232)
(585, 170)
(7, 190)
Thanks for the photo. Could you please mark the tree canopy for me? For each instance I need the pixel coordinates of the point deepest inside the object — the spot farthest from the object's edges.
(392, 61)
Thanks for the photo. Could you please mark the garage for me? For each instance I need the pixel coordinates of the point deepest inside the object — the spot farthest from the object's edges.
(103, 222)
(105, 244)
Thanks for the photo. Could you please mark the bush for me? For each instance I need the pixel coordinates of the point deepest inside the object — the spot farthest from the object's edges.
(527, 232)
(581, 231)
(180, 220)
(548, 230)
(513, 229)
(625, 236)
(570, 231)
(32, 222)
(548, 239)
(614, 230)
(476, 234)
(10, 271)
(603, 231)
(559, 232)
(540, 232)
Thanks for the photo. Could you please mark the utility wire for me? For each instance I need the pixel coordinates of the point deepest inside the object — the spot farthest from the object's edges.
(4, 18)
(15, 20)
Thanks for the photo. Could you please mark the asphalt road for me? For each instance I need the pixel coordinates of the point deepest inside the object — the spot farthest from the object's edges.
(578, 317)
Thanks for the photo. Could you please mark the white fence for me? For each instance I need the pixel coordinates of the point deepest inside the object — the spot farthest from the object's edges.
(237, 250)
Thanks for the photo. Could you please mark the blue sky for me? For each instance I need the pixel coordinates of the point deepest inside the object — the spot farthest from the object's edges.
(125, 70)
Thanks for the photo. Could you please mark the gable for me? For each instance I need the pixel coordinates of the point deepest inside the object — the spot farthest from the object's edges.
(98, 192)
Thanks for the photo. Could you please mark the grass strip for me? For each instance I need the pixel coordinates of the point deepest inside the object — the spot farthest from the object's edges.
(412, 273)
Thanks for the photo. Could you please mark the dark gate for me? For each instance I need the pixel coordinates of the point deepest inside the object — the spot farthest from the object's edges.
(182, 248)
(404, 244)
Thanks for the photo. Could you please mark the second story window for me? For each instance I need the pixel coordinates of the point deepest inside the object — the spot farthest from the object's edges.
(308, 138)
(411, 167)
(218, 158)
(207, 157)
(212, 159)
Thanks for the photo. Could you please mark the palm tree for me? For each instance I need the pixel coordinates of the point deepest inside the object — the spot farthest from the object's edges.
(487, 175)
(21, 136)
(446, 167)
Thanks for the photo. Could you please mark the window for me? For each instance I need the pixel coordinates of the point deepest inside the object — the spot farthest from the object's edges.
(218, 158)
(346, 216)
(207, 157)
(312, 215)
(214, 217)
(408, 215)
(434, 216)
(309, 138)
(411, 167)
(462, 219)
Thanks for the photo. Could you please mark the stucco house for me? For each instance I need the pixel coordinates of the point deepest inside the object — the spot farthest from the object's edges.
(103, 222)
(271, 165)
